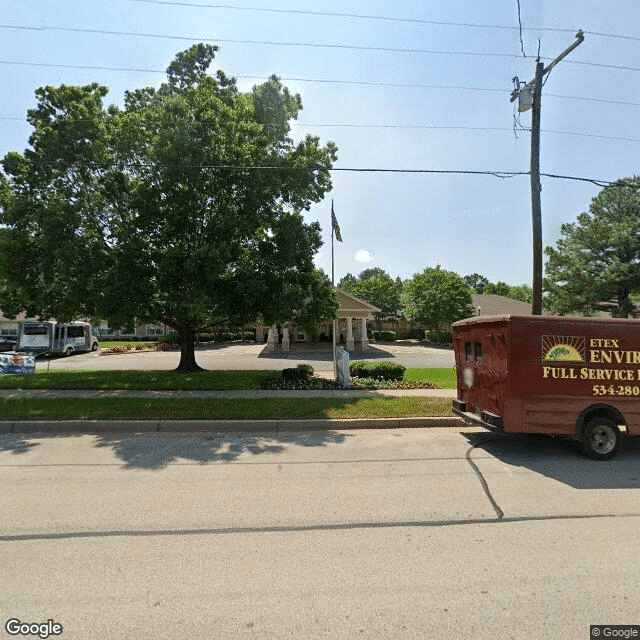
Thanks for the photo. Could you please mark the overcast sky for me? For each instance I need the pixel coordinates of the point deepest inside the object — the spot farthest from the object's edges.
(458, 118)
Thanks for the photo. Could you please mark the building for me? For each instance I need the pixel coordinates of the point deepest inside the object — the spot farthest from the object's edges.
(352, 326)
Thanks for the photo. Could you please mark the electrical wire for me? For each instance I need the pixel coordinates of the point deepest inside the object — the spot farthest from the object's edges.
(364, 83)
(386, 18)
(317, 168)
(306, 44)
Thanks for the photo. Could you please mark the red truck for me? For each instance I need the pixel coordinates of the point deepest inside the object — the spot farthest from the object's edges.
(572, 377)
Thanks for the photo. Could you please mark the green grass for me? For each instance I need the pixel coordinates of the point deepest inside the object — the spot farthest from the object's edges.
(220, 409)
(443, 378)
(174, 381)
(138, 380)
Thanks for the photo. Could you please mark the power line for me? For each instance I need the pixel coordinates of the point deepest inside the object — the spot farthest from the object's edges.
(386, 18)
(399, 126)
(364, 83)
(317, 168)
(304, 44)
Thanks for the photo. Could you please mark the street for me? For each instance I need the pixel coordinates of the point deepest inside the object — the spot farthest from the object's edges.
(251, 355)
(422, 533)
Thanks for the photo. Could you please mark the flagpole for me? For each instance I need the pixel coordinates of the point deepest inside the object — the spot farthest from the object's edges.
(335, 365)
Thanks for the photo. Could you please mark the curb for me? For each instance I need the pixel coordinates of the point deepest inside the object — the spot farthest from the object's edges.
(263, 427)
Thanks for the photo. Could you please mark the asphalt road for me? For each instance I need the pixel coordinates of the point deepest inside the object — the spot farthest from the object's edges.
(238, 355)
(340, 535)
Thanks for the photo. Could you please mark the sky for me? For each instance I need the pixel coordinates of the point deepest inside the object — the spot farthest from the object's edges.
(409, 85)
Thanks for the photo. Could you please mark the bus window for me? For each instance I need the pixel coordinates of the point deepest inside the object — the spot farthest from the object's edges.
(35, 330)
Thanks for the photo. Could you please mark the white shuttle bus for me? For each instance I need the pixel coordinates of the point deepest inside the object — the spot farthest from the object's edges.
(52, 337)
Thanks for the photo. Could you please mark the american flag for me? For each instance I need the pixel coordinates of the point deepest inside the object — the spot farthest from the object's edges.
(334, 224)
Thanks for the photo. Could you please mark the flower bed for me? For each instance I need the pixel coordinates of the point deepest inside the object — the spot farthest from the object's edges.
(129, 348)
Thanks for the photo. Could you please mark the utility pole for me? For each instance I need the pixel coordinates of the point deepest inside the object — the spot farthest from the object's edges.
(530, 97)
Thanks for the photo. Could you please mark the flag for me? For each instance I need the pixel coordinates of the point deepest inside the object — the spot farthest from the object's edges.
(334, 224)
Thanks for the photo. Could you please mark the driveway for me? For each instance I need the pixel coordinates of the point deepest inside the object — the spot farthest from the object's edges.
(249, 355)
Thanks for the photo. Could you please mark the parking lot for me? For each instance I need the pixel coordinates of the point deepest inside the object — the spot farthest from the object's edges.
(249, 355)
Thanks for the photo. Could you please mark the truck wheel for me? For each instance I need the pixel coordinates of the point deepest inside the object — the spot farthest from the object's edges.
(601, 439)
(68, 351)
(94, 346)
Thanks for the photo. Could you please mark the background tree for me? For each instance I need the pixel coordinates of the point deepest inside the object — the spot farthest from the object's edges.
(437, 298)
(378, 288)
(153, 212)
(596, 262)
(497, 288)
(522, 292)
(476, 282)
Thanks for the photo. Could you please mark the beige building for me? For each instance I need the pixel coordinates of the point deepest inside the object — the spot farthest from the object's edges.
(352, 326)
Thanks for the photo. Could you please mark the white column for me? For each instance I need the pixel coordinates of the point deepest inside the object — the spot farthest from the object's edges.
(365, 337)
(285, 338)
(272, 339)
(350, 345)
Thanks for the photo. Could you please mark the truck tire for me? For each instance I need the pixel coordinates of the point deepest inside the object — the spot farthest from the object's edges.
(94, 346)
(68, 351)
(601, 439)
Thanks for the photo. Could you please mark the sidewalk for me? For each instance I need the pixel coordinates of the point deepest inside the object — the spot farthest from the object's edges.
(214, 428)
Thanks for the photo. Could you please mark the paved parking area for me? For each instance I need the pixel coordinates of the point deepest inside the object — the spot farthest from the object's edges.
(239, 355)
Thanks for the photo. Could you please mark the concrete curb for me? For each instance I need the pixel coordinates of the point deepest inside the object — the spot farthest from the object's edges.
(262, 427)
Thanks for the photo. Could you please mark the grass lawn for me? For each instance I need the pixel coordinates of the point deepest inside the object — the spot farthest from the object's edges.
(174, 381)
(139, 380)
(220, 409)
(443, 378)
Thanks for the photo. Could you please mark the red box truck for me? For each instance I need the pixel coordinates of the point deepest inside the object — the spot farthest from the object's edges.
(573, 377)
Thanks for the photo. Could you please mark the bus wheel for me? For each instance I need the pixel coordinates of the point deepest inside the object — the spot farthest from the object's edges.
(68, 351)
(601, 439)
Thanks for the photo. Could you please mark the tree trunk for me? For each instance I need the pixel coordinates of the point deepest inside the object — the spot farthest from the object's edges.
(187, 351)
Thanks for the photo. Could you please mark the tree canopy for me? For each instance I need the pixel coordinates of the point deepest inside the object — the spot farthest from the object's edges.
(596, 262)
(159, 211)
(437, 298)
(376, 287)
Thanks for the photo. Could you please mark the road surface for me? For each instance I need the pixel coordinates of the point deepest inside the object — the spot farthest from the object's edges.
(375, 534)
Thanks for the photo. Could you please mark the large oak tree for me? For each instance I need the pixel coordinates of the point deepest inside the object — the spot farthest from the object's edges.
(183, 206)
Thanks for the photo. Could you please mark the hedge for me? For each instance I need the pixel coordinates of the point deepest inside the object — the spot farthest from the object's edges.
(379, 369)
(301, 372)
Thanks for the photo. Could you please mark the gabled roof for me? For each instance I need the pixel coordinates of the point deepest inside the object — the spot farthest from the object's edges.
(350, 303)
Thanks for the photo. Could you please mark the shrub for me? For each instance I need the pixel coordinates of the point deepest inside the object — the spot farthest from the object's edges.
(375, 334)
(388, 335)
(206, 337)
(164, 346)
(439, 337)
(377, 369)
(248, 335)
(301, 372)
(169, 338)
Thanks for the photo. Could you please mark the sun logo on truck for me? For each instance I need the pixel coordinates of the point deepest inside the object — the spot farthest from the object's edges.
(563, 349)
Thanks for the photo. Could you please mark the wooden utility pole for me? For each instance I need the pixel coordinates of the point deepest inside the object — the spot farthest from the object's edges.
(536, 188)
(534, 90)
